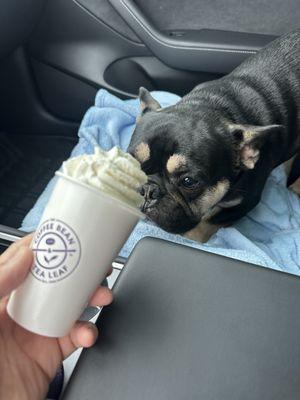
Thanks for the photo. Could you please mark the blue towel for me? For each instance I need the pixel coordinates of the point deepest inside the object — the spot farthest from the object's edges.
(268, 236)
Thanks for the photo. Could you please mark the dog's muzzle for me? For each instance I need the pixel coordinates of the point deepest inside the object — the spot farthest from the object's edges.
(151, 191)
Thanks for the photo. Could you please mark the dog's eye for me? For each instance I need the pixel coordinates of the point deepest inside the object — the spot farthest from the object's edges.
(188, 182)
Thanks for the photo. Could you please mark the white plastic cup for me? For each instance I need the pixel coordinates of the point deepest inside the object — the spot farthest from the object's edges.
(80, 234)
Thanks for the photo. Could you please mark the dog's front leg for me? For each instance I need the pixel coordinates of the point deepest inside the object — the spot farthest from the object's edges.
(202, 232)
(295, 187)
(288, 166)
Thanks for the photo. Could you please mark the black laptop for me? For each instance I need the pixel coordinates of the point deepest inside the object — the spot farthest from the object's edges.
(190, 325)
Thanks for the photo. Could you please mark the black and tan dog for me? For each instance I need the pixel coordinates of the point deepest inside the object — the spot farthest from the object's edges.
(208, 156)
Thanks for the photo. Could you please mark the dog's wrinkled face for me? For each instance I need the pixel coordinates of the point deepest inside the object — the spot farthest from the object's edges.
(182, 187)
(190, 163)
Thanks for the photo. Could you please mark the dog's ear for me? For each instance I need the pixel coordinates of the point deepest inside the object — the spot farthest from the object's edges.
(148, 103)
(249, 139)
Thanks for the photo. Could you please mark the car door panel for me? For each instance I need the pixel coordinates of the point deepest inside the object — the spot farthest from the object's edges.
(83, 45)
(196, 50)
(91, 52)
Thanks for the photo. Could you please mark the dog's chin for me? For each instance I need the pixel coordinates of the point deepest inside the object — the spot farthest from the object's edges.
(175, 221)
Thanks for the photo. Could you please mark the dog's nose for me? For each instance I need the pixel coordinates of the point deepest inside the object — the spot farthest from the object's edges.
(150, 191)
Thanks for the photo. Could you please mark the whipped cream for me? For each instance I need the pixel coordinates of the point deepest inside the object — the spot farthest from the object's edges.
(114, 172)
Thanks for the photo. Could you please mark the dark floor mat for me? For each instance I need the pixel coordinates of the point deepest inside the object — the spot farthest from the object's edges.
(27, 163)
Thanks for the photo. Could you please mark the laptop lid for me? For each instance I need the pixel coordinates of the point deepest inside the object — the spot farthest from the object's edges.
(187, 324)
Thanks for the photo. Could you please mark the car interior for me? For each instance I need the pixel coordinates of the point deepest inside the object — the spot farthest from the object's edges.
(54, 57)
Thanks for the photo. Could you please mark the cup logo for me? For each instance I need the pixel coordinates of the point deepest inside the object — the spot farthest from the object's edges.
(56, 250)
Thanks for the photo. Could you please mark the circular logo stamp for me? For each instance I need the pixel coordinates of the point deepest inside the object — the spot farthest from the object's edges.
(56, 250)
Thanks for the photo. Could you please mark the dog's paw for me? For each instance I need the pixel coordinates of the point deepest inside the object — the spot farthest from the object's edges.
(202, 232)
(295, 187)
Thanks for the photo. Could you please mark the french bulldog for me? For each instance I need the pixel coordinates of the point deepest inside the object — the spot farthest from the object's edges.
(208, 156)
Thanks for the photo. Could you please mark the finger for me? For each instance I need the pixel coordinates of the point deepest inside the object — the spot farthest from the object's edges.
(83, 334)
(109, 272)
(14, 270)
(102, 297)
(25, 241)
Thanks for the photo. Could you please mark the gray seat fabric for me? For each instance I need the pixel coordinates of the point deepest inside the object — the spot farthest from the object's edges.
(273, 17)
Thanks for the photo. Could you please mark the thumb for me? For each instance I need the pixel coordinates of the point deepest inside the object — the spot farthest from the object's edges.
(14, 270)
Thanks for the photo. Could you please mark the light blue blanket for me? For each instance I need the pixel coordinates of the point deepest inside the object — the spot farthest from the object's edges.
(269, 235)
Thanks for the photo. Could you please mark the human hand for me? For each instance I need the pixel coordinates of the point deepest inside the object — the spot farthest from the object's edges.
(28, 362)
